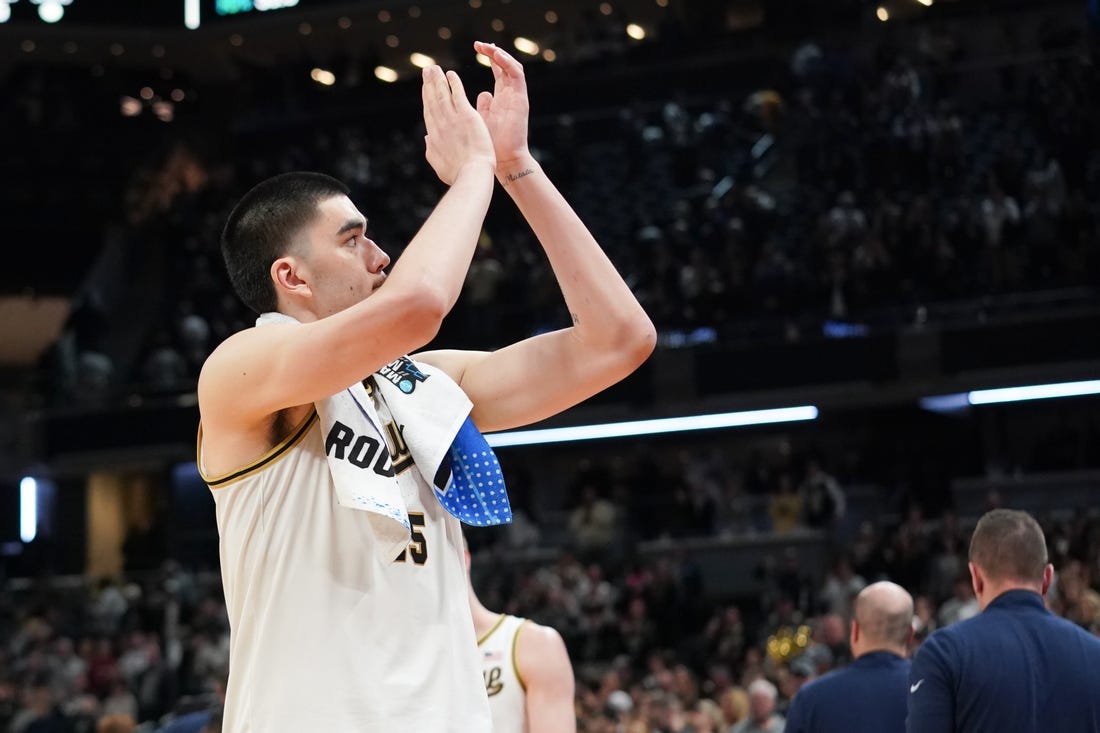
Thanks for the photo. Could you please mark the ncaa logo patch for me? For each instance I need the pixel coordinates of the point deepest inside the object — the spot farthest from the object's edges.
(403, 373)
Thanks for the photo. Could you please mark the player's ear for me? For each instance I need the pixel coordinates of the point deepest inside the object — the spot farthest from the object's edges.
(287, 274)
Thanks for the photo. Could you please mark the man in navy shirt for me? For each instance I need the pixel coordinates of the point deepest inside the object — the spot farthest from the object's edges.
(870, 693)
(1015, 666)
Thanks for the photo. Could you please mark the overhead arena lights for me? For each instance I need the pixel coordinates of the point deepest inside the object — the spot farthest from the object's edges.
(652, 427)
(962, 400)
(28, 509)
(51, 11)
(1034, 392)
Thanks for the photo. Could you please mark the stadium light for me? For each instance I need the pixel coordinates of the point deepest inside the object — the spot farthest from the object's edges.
(192, 14)
(5, 11)
(323, 77)
(959, 401)
(635, 31)
(51, 11)
(945, 403)
(421, 60)
(385, 73)
(28, 509)
(526, 45)
(652, 427)
(1034, 392)
(882, 14)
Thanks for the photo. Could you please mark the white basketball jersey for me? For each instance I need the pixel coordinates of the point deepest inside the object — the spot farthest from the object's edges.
(506, 689)
(326, 634)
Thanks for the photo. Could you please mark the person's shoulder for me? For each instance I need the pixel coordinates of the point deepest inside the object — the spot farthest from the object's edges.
(533, 634)
(822, 685)
(1090, 642)
(960, 631)
(541, 657)
(944, 642)
(228, 350)
(192, 722)
(828, 684)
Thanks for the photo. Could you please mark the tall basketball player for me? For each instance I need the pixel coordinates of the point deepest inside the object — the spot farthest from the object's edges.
(329, 630)
(528, 675)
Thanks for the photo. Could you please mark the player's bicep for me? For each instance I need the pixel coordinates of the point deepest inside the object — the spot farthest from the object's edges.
(543, 663)
(931, 690)
(257, 372)
(529, 380)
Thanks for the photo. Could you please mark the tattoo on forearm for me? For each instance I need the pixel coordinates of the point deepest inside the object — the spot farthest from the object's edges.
(513, 177)
(576, 318)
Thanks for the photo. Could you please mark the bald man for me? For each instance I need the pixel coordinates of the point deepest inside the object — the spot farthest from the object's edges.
(869, 695)
(1015, 666)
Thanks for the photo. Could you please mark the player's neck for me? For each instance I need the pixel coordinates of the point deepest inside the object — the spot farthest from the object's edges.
(297, 311)
(484, 619)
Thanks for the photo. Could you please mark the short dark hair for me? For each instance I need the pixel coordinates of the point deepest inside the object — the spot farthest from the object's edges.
(1009, 545)
(262, 227)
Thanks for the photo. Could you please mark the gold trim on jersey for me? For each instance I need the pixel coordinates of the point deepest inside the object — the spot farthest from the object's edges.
(271, 456)
(495, 626)
(515, 653)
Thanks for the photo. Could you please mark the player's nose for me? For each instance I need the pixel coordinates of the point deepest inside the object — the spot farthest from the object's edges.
(379, 260)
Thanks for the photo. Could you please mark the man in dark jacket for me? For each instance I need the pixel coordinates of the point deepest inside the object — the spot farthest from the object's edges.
(869, 694)
(1015, 666)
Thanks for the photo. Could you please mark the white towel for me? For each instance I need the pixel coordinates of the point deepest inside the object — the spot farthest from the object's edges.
(430, 407)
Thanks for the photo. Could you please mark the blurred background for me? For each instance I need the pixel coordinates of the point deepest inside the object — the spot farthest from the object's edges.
(887, 214)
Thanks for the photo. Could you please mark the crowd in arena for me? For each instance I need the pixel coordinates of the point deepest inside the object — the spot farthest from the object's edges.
(653, 652)
(862, 184)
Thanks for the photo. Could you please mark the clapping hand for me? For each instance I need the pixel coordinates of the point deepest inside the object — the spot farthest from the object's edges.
(456, 133)
(505, 109)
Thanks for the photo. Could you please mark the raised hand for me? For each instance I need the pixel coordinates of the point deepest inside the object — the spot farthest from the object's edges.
(506, 109)
(457, 134)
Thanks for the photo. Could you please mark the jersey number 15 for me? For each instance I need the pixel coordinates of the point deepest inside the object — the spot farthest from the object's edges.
(418, 548)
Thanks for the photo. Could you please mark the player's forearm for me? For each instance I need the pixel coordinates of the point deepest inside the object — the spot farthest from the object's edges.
(437, 258)
(605, 312)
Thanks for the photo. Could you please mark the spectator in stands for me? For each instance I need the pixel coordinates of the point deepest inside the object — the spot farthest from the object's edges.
(802, 670)
(1000, 214)
(164, 367)
(594, 524)
(962, 604)
(785, 505)
(924, 618)
(116, 723)
(948, 557)
(762, 716)
(1076, 599)
(39, 712)
(120, 701)
(823, 501)
(706, 717)
(735, 706)
(840, 588)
